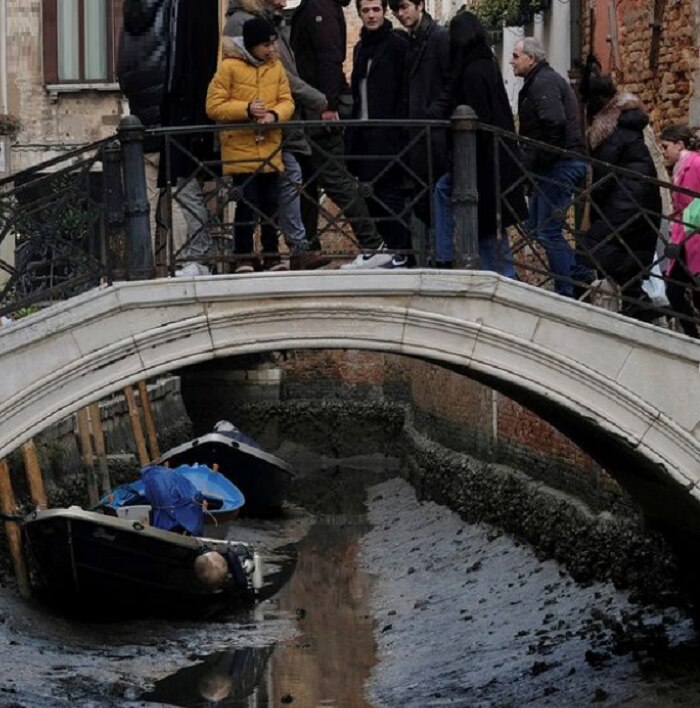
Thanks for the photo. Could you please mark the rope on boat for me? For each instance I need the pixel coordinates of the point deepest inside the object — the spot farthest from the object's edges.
(11, 517)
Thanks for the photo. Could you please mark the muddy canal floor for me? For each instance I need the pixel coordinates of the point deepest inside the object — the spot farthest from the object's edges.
(408, 605)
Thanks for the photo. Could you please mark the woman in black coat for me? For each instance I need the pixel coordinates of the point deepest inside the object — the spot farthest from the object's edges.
(477, 82)
(625, 212)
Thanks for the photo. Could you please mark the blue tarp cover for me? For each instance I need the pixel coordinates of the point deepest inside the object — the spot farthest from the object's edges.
(175, 500)
(221, 494)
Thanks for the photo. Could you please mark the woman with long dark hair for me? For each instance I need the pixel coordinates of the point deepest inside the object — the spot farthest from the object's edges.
(476, 81)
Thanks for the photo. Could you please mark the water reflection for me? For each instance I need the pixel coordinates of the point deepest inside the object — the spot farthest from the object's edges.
(329, 663)
(230, 678)
(326, 664)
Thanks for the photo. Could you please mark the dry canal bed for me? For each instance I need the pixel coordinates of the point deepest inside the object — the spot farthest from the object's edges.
(404, 606)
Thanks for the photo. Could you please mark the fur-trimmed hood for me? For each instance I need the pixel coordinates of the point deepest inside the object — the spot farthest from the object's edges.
(253, 7)
(624, 110)
(233, 48)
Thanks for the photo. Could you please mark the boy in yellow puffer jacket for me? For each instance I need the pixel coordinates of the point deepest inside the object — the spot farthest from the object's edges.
(251, 86)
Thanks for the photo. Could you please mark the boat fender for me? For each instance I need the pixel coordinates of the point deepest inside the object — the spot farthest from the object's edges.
(258, 580)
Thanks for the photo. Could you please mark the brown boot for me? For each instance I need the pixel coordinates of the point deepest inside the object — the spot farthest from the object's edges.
(308, 260)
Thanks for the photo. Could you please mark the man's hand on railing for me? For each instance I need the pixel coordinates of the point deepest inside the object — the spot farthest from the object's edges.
(330, 115)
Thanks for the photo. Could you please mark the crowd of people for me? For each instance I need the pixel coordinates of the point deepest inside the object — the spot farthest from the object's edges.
(178, 69)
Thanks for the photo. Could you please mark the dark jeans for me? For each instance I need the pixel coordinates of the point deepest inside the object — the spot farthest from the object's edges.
(333, 177)
(387, 206)
(259, 203)
(677, 291)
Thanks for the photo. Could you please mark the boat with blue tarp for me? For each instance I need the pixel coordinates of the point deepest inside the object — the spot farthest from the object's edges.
(142, 552)
(263, 478)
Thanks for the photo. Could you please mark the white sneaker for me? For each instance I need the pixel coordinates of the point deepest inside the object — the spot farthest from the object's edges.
(191, 269)
(397, 261)
(378, 259)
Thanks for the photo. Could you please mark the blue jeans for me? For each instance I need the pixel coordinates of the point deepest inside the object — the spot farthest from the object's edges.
(548, 207)
(289, 218)
(494, 254)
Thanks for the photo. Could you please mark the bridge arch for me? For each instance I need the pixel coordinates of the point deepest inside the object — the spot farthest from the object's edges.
(624, 391)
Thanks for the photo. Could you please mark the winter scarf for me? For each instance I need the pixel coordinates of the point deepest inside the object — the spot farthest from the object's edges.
(371, 39)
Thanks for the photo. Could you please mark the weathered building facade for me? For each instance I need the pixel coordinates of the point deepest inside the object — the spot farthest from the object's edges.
(652, 48)
(59, 74)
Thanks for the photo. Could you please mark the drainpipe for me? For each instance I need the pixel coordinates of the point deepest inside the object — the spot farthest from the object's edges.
(3, 54)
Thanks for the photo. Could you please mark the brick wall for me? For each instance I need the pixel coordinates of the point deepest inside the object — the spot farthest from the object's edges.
(460, 413)
(668, 89)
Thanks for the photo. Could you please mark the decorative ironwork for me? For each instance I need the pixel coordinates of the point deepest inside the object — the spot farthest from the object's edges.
(74, 220)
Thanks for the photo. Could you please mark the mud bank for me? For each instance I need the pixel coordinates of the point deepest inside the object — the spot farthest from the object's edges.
(605, 541)
(466, 616)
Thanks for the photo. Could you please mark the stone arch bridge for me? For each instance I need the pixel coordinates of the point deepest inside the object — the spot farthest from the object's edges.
(627, 393)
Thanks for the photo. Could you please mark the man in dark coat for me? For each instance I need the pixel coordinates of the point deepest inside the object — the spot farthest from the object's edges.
(428, 62)
(318, 39)
(378, 90)
(548, 112)
(143, 61)
(169, 52)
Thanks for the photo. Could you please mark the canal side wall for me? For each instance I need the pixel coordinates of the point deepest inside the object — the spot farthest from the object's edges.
(456, 412)
(447, 407)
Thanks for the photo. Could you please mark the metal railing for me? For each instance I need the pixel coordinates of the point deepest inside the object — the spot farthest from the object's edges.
(99, 213)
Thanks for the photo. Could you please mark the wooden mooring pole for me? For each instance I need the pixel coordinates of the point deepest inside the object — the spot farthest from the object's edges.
(13, 530)
(34, 478)
(148, 418)
(98, 438)
(136, 426)
(87, 454)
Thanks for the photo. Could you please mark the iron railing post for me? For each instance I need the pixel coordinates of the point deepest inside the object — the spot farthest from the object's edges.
(465, 238)
(113, 200)
(138, 226)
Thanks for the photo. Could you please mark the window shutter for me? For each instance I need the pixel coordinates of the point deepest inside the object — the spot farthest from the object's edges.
(49, 41)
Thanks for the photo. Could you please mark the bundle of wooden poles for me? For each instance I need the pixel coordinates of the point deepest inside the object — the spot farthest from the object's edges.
(94, 454)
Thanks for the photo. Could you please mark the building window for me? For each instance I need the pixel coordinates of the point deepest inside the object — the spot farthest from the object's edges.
(81, 40)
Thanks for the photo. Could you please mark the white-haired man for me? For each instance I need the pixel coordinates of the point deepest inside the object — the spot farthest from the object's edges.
(548, 112)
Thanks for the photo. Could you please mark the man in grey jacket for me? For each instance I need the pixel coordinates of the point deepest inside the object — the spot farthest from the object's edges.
(303, 257)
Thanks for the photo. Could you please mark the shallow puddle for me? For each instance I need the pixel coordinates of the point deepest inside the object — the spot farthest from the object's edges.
(326, 664)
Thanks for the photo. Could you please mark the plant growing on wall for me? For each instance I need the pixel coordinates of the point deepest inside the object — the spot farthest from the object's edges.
(9, 124)
(514, 13)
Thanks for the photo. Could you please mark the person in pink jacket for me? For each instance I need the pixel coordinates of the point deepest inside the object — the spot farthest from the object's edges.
(677, 145)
